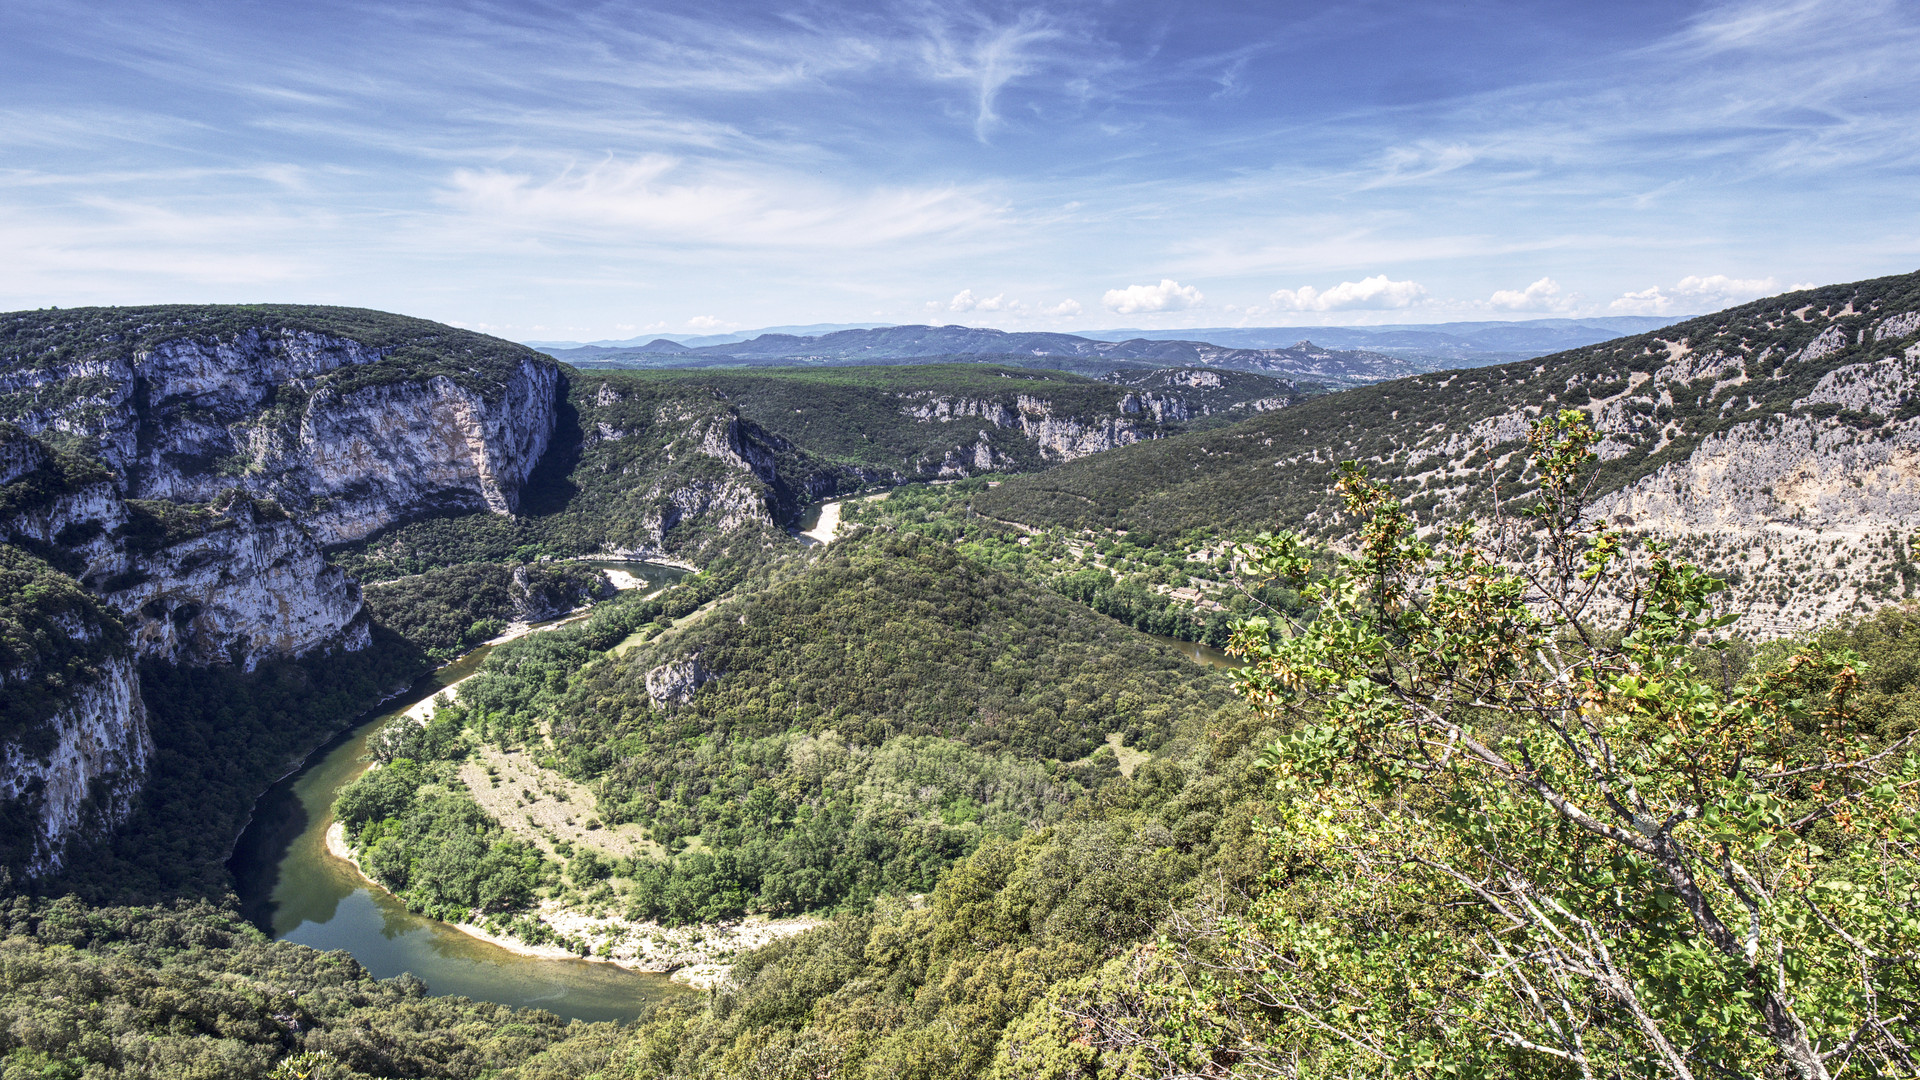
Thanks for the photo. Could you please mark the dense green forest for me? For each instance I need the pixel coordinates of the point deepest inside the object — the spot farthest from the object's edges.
(448, 611)
(189, 990)
(845, 729)
(418, 831)
(1129, 577)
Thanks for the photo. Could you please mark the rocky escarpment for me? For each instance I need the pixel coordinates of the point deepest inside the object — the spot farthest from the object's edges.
(342, 433)
(233, 582)
(1145, 406)
(185, 467)
(74, 742)
(1774, 441)
(1779, 442)
(1055, 434)
(688, 471)
(82, 775)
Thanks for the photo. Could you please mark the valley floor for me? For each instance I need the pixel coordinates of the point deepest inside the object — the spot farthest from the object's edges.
(698, 955)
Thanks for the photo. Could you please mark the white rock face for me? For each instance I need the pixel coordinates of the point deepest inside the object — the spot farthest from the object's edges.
(250, 590)
(224, 423)
(375, 456)
(82, 521)
(86, 783)
(1058, 436)
(191, 419)
(675, 683)
(1808, 512)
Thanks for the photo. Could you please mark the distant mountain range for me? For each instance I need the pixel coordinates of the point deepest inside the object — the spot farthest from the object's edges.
(1301, 360)
(1467, 341)
(1441, 344)
(697, 340)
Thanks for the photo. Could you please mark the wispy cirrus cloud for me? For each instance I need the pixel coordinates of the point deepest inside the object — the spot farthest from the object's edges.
(664, 199)
(985, 56)
(468, 158)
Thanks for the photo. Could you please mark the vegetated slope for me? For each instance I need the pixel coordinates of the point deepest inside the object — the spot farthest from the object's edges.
(191, 991)
(1778, 439)
(451, 610)
(893, 344)
(845, 731)
(689, 465)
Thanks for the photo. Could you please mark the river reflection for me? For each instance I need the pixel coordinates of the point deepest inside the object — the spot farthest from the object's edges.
(1198, 653)
(293, 888)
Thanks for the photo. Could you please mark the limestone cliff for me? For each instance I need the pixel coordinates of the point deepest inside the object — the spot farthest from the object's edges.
(187, 466)
(1778, 442)
(1059, 435)
(74, 743)
(239, 583)
(81, 775)
(1066, 425)
(329, 427)
(689, 472)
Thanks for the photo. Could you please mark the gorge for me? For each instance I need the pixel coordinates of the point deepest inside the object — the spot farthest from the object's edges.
(901, 681)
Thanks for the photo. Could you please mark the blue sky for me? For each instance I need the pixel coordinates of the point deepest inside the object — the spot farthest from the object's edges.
(588, 170)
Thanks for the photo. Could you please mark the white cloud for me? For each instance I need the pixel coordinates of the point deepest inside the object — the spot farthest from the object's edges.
(1694, 295)
(995, 57)
(1169, 295)
(1542, 295)
(665, 198)
(1063, 308)
(1376, 293)
(964, 300)
(704, 322)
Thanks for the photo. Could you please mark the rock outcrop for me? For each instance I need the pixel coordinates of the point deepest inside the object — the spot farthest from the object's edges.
(74, 743)
(187, 466)
(80, 775)
(317, 423)
(244, 585)
(674, 683)
(1778, 443)
(1059, 435)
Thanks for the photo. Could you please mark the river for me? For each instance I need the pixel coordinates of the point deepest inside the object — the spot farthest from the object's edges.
(291, 887)
(1198, 653)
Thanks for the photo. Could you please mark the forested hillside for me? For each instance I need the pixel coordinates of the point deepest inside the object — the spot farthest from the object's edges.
(1767, 436)
(842, 731)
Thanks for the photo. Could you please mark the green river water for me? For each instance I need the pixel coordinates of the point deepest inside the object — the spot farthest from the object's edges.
(290, 886)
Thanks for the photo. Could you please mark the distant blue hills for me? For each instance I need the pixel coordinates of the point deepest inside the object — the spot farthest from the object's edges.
(1331, 355)
(1485, 341)
(1522, 339)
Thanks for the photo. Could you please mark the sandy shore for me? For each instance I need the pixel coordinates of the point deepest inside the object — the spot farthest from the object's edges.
(828, 526)
(698, 955)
